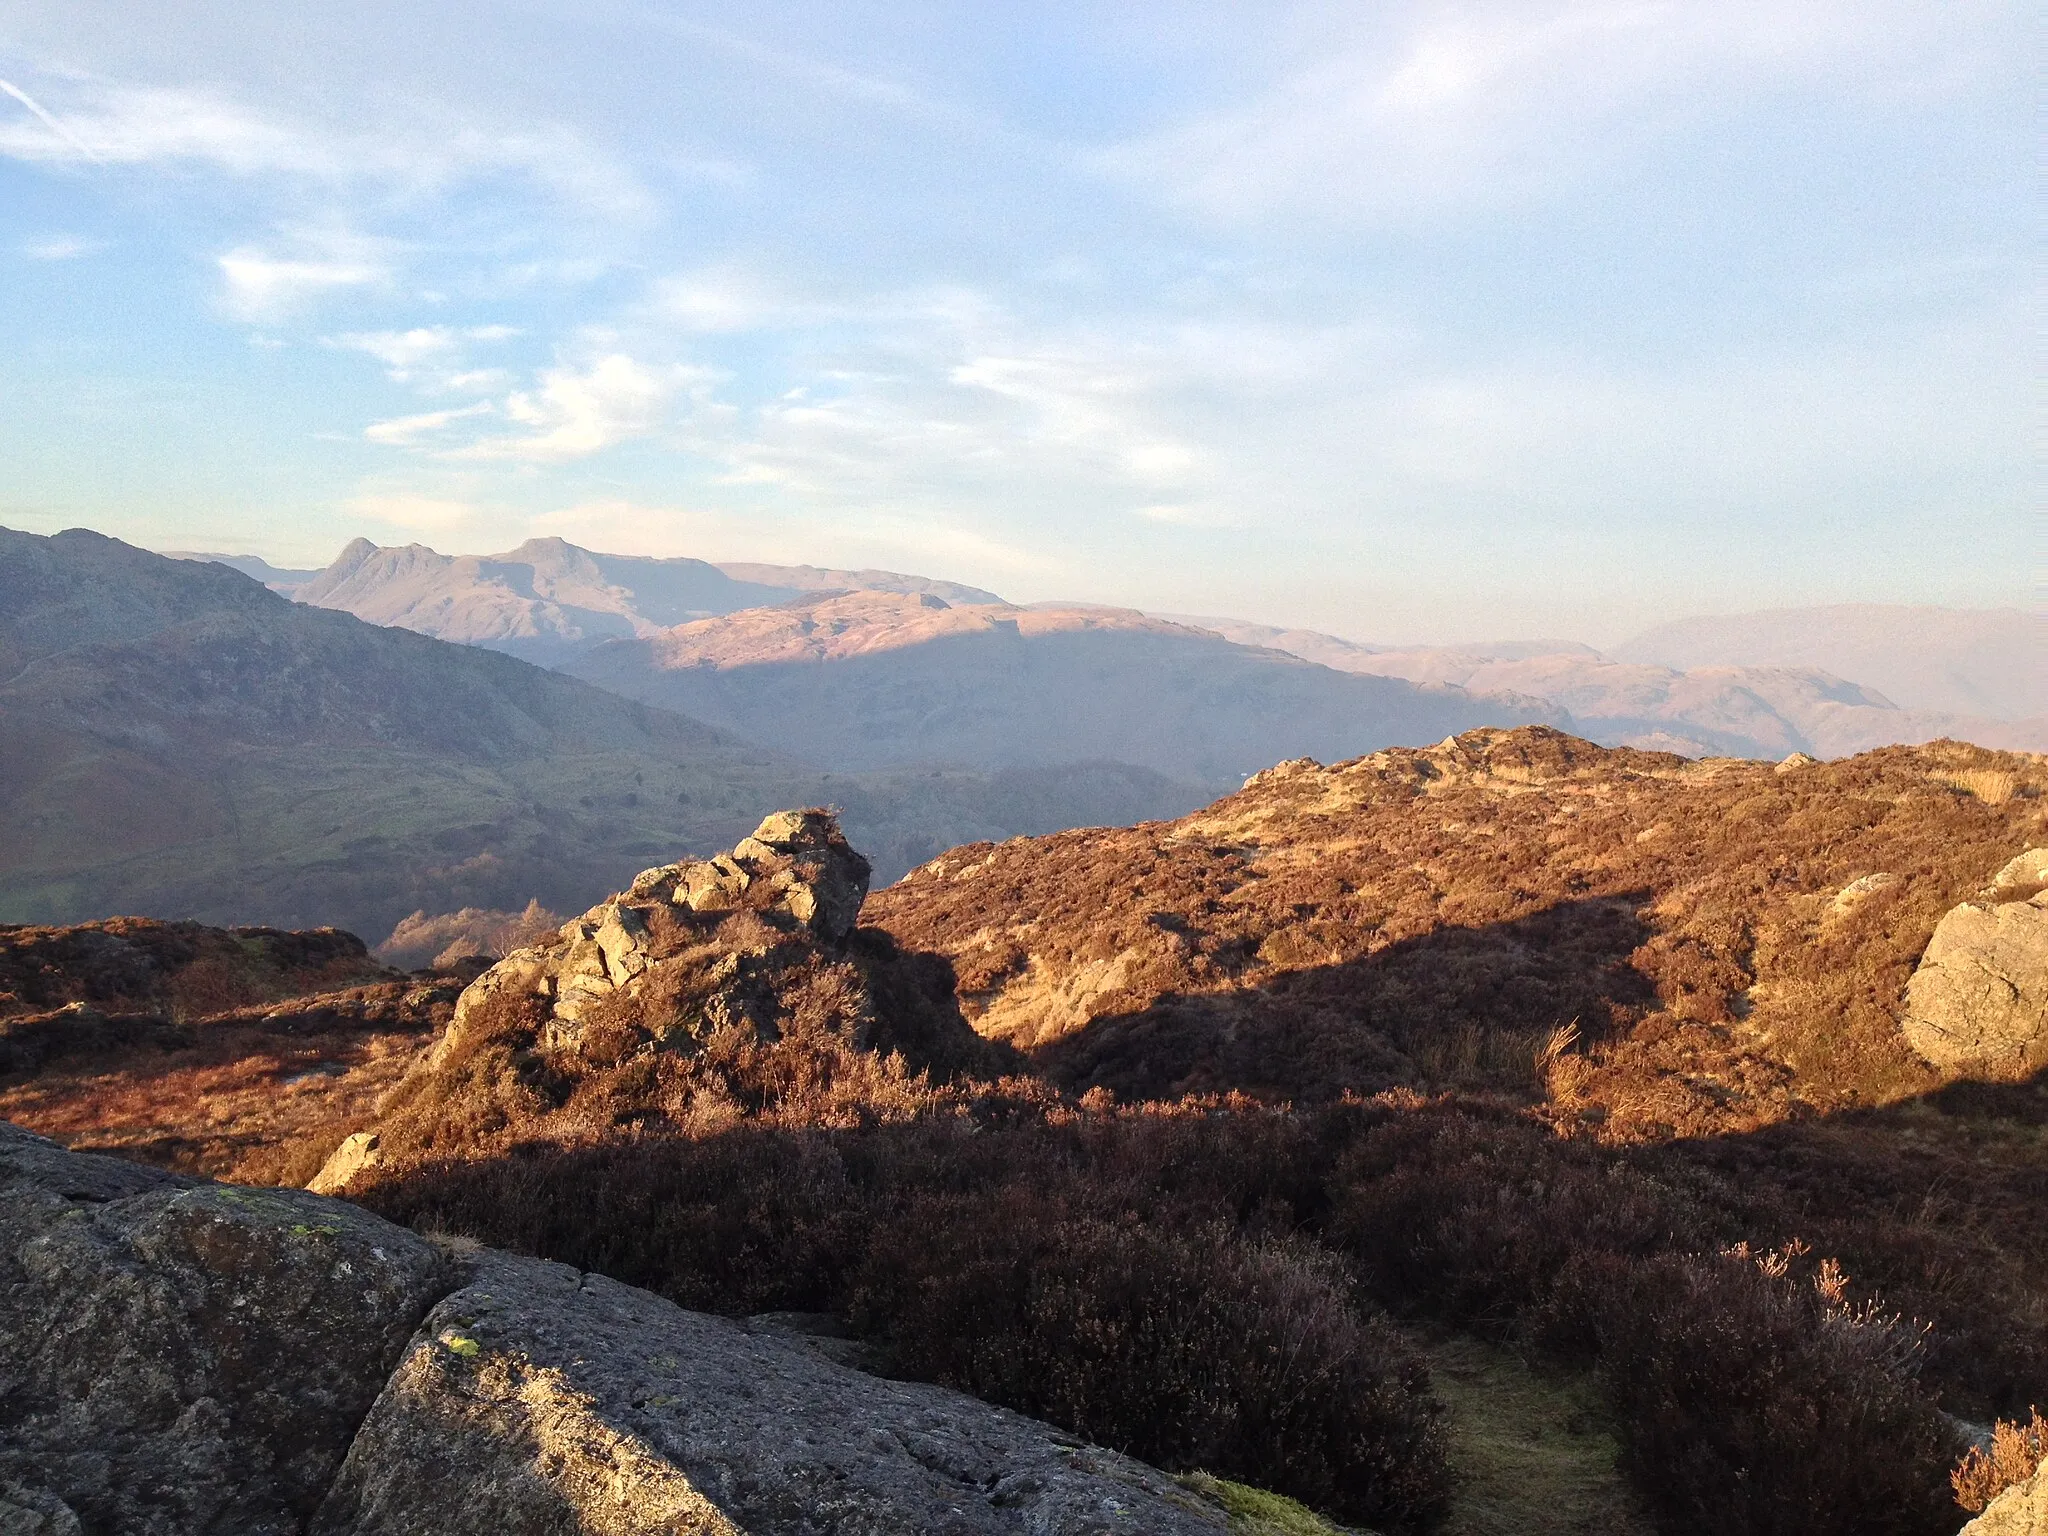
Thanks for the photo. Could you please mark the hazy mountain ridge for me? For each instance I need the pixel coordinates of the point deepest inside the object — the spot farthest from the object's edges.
(1707, 710)
(177, 741)
(1984, 662)
(548, 599)
(869, 680)
(1825, 681)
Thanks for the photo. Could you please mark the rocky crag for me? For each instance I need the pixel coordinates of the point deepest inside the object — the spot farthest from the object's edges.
(180, 1356)
(796, 872)
(706, 988)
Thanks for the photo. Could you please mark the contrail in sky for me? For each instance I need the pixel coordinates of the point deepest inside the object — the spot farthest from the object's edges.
(50, 122)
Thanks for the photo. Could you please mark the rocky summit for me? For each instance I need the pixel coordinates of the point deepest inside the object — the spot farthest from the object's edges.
(796, 874)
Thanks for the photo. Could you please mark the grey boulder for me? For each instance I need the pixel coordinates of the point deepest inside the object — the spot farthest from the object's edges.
(179, 1356)
(542, 1400)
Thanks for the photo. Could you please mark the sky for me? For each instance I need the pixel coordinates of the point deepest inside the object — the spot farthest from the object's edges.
(1406, 321)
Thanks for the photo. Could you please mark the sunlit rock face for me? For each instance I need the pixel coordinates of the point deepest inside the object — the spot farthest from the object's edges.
(1977, 1005)
(670, 944)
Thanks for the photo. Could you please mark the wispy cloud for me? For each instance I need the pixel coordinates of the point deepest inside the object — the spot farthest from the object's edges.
(48, 120)
(120, 123)
(63, 248)
(429, 353)
(1426, 110)
(406, 431)
(263, 286)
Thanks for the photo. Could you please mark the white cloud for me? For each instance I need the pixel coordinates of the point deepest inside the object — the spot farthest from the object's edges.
(406, 355)
(573, 413)
(406, 431)
(266, 285)
(63, 248)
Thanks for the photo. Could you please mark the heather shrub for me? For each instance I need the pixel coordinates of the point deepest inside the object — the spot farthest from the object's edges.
(1746, 1399)
(1177, 1280)
(1188, 1348)
(2015, 1453)
(1752, 1401)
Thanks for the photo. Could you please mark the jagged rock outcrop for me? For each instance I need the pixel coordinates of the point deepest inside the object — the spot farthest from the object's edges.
(796, 874)
(2022, 1510)
(178, 1357)
(1977, 1004)
(542, 1400)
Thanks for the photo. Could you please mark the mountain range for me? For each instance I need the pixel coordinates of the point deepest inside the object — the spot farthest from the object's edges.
(177, 741)
(860, 673)
(546, 600)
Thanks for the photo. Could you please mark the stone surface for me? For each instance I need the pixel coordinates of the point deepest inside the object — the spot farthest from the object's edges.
(182, 1357)
(542, 1400)
(2022, 1510)
(1977, 1004)
(26, 1511)
(797, 873)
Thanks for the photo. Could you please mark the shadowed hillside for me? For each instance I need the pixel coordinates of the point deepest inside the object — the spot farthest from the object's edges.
(870, 680)
(177, 741)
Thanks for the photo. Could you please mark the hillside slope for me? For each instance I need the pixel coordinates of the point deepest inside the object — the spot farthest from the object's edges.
(1648, 945)
(869, 680)
(177, 741)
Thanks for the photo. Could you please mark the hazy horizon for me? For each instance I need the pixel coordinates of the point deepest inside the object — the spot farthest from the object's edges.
(1477, 637)
(1437, 323)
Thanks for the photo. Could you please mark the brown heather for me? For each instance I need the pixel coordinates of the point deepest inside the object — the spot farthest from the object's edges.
(2015, 1453)
(1439, 917)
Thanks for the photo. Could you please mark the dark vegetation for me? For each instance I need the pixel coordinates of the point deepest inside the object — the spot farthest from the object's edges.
(233, 1052)
(184, 970)
(1199, 1283)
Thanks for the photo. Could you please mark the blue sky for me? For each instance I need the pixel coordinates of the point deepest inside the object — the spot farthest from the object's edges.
(1407, 321)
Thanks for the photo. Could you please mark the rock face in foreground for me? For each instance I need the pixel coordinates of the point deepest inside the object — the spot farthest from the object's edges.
(1978, 1002)
(182, 1357)
(178, 1356)
(546, 1401)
